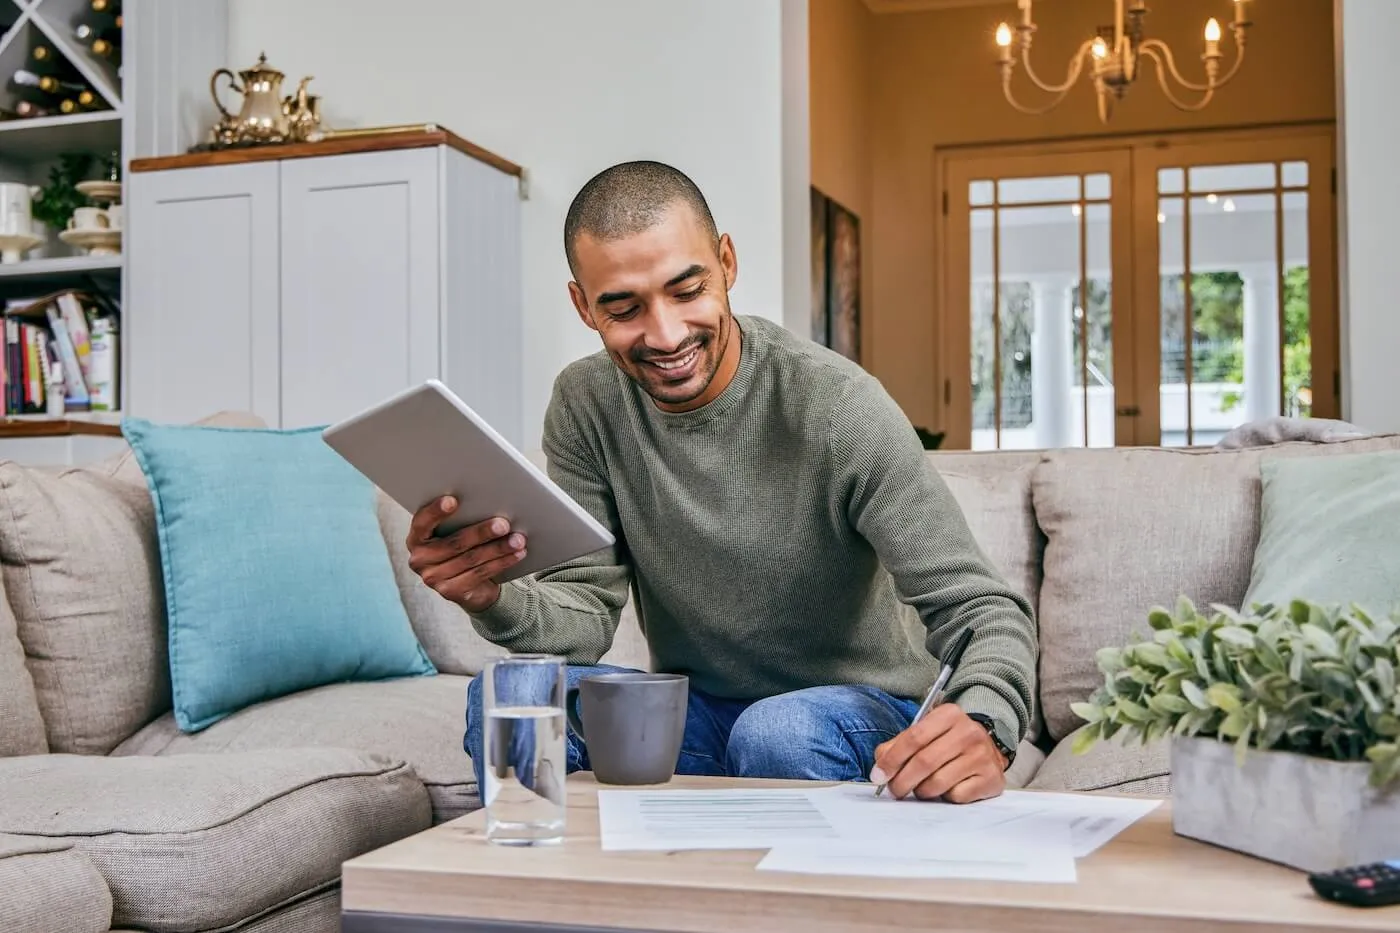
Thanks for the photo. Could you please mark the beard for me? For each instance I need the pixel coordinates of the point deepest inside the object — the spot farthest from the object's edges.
(685, 383)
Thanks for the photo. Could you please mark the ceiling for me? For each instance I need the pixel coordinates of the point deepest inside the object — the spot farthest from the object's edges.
(911, 6)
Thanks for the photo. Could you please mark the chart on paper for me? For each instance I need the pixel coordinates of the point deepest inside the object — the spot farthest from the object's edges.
(702, 819)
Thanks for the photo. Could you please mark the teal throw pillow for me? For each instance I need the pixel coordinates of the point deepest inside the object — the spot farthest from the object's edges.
(277, 578)
(1329, 532)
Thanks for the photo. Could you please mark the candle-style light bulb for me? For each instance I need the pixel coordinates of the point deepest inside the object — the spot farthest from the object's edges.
(1212, 30)
(1004, 41)
(1100, 48)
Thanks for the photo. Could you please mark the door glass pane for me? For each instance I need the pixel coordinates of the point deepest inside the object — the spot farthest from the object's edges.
(1096, 187)
(983, 302)
(1206, 178)
(1297, 307)
(1093, 343)
(1295, 174)
(1041, 368)
(1171, 181)
(1171, 228)
(1038, 190)
(980, 193)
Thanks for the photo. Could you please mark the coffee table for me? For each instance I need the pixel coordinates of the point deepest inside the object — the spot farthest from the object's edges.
(449, 879)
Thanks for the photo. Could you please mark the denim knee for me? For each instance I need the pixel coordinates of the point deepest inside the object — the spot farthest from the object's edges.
(790, 736)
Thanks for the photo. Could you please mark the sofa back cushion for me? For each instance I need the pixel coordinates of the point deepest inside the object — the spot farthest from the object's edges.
(1131, 528)
(80, 565)
(21, 725)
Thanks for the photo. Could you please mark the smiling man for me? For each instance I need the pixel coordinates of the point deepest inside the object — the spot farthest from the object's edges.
(775, 512)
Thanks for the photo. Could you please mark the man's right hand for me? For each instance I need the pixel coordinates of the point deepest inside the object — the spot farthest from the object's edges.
(462, 566)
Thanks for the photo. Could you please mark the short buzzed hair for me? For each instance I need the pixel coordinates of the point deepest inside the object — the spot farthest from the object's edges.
(628, 198)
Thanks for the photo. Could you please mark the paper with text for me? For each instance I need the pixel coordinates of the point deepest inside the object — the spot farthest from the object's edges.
(708, 819)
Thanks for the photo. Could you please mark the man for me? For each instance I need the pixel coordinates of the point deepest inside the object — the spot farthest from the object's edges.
(772, 507)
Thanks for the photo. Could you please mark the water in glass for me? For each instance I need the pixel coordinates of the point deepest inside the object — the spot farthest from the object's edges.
(525, 750)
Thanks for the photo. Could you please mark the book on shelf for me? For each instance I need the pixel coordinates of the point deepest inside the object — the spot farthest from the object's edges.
(60, 355)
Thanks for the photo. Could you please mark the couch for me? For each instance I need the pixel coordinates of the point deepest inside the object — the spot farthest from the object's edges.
(112, 818)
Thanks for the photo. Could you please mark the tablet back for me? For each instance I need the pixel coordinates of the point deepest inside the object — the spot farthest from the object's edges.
(425, 442)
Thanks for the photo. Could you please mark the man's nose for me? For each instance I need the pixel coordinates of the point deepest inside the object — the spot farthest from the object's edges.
(666, 332)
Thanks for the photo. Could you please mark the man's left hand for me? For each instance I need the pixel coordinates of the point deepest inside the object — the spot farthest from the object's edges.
(946, 754)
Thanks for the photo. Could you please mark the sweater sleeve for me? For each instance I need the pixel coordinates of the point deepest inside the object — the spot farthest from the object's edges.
(898, 502)
(572, 609)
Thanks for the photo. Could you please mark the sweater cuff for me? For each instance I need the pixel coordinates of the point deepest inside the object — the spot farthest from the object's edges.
(503, 616)
(979, 698)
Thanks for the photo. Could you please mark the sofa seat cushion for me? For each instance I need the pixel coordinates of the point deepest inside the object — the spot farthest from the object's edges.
(1133, 528)
(201, 842)
(49, 887)
(1119, 765)
(419, 720)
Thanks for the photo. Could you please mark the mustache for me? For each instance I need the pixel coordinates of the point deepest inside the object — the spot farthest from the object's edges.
(690, 343)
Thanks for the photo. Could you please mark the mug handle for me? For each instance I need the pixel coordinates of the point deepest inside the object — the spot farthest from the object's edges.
(570, 711)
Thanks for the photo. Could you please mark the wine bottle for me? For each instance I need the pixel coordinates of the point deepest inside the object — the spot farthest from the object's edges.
(46, 83)
(27, 108)
(106, 6)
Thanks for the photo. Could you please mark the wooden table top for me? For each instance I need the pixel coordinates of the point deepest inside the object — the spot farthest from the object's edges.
(1146, 880)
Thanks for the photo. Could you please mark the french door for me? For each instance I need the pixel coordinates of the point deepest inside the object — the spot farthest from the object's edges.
(1153, 291)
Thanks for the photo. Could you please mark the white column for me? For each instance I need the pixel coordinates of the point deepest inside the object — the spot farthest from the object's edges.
(1262, 378)
(1052, 363)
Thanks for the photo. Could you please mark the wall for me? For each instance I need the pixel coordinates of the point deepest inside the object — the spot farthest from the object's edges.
(1369, 189)
(841, 43)
(935, 83)
(566, 89)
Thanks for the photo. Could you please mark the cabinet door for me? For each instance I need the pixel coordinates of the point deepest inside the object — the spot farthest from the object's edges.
(201, 325)
(360, 289)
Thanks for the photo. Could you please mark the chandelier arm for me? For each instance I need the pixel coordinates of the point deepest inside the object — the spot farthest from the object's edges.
(1032, 111)
(1076, 66)
(1161, 53)
(1166, 88)
(1239, 60)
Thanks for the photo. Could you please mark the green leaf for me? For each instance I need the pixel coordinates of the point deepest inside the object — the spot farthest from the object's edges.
(1086, 738)
(1235, 723)
(1235, 635)
(1320, 640)
(1224, 696)
(1109, 659)
(1159, 618)
(1131, 711)
(1089, 712)
(1388, 725)
(1385, 676)
(1195, 695)
(1168, 704)
(1373, 702)
(1151, 654)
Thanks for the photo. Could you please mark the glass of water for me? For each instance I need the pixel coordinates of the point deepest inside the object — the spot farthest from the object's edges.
(523, 704)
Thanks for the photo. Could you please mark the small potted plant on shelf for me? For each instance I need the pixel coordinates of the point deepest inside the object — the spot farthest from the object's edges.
(56, 201)
(1283, 723)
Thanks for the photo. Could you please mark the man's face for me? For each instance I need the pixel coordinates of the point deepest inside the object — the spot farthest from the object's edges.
(660, 301)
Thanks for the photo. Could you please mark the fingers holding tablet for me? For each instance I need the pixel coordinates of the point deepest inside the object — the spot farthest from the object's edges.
(462, 566)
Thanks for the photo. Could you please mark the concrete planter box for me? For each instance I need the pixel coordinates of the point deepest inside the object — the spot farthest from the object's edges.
(1307, 813)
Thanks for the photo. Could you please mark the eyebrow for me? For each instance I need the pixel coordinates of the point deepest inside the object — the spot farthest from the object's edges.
(691, 272)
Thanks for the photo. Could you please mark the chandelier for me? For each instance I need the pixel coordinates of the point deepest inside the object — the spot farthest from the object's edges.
(1116, 53)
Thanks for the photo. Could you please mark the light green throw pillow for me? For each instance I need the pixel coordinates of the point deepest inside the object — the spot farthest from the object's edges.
(1329, 532)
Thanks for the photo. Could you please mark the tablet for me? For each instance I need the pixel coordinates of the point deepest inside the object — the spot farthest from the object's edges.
(425, 442)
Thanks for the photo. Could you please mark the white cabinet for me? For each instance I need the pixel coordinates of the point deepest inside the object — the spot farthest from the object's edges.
(306, 289)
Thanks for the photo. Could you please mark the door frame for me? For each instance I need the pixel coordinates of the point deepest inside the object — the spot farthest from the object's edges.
(1313, 140)
(957, 329)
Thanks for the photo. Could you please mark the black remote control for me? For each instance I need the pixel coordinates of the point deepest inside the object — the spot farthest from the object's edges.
(1376, 884)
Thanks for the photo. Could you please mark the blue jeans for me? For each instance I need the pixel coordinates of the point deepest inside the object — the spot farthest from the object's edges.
(824, 733)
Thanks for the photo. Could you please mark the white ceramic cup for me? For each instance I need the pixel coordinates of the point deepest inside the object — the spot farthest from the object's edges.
(114, 216)
(88, 218)
(15, 215)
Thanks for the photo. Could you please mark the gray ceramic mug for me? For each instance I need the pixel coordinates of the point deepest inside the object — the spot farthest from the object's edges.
(632, 724)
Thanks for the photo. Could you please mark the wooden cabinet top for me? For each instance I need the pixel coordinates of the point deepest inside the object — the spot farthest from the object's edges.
(406, 138)
(11, 427)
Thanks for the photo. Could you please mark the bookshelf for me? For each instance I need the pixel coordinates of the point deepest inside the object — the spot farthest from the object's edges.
(140, 92)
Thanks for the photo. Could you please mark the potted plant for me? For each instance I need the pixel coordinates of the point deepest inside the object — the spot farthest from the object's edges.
(56, 201)
(1283, 723)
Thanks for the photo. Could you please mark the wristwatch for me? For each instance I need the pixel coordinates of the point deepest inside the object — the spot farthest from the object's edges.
(1003, 735)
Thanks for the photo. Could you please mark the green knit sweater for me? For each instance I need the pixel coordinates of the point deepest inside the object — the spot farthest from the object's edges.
(772, 537)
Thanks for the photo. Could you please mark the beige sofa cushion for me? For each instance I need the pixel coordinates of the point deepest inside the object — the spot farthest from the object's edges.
(1133, 528)
(419, 720)
(1119, 765)
(200, 842)
(21, 725)
(49, 887)
(82, 572)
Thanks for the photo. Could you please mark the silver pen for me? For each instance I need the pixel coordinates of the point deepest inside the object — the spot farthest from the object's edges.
(935, 692)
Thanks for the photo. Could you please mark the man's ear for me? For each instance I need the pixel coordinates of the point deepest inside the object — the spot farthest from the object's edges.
(728, 261)
(580, 301)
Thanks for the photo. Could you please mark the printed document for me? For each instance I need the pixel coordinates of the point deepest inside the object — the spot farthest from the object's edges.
(708, 819)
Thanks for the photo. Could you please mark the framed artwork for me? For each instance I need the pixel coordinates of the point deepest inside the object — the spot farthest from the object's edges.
(835, 276)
